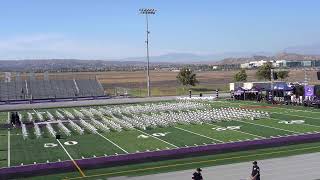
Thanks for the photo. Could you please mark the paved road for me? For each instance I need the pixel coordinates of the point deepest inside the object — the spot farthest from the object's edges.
(301, 167)
(12, 107)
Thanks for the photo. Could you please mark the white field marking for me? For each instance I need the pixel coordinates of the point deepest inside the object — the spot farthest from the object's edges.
(289, 109)
(9, 148)
(157, 138)
(295, 115)
(199, 134)
(8, 120)
(65, 150)
(269, 127)
(74, 162)
(112, 143)
(240, 131)
(300, 124)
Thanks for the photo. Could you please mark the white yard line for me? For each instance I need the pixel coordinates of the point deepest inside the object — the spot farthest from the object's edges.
(158, 138)
(113, 143)
(65, 150)
(199, 134)
(9, 149)
(298, 110)
(295, 115)
(269, 127)
(239, 131)
(73, 161)
(300, 124)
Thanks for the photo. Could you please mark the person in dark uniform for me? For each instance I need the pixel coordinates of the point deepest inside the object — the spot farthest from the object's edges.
(255, 174)
(197, 175)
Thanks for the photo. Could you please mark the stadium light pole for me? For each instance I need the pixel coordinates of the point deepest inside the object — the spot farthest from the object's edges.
(147, 12)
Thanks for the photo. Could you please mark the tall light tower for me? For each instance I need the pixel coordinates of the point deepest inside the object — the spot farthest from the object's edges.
(147, 12)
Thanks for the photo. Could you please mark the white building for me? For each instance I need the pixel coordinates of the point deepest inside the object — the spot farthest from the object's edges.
(253, 64)
(279, 63)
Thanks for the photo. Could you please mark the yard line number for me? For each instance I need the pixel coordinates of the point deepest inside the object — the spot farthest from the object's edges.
(67, 143)
(227, 128)
(292, 122)
(143, 136)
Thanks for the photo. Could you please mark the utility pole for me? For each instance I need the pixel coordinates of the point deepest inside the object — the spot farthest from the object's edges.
(272, 79)
(147, 12)
(305, 77)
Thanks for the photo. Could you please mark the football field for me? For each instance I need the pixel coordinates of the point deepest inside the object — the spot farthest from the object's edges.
(18, 148)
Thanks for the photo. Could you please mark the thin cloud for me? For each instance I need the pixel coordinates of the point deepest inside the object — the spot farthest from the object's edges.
(58, 46)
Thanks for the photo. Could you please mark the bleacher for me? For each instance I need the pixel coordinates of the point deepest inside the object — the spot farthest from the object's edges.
(49, 89)
(88, 87)
(12, 90)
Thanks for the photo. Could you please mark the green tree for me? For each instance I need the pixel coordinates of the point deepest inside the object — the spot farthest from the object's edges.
(264, 71)
(283, 74)
(240, 76)
(186, 77)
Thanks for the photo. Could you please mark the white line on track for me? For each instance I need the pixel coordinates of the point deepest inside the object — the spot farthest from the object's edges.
(239, 131)
(157, 138)
(9, 149)
(268, 126)
(113, 143)
(199, 134)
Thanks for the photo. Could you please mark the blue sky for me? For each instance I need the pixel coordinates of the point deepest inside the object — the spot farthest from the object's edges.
(103, 29)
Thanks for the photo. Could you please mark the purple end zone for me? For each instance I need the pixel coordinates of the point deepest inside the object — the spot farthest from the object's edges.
(41, 169)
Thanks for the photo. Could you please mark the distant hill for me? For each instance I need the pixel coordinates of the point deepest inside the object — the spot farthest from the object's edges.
(313, 49)
(279, 56)
(187, 58)
(295, 56)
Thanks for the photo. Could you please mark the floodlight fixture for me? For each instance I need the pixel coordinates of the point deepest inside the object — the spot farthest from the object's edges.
(147, 11)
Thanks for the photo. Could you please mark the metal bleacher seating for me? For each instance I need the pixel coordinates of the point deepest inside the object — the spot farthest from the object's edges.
(12, 90)
(48, 89)
(89, 88)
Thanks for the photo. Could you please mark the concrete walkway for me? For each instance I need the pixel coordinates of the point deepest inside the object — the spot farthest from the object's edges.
(301, 167)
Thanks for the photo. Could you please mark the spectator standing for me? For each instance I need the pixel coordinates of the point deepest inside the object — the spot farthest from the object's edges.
(197, 175)
(255, 174)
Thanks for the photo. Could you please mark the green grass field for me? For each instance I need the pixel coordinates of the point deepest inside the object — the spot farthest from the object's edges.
(283, 121)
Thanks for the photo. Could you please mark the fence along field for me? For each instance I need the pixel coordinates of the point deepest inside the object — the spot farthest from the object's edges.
(163, 82)
(155, 133)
